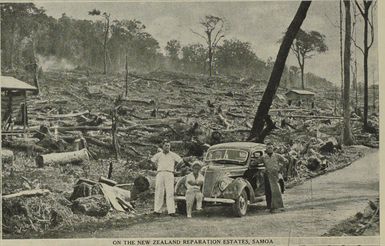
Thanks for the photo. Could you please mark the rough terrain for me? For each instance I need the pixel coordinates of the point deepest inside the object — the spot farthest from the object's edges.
(159, 105)
(311, 209)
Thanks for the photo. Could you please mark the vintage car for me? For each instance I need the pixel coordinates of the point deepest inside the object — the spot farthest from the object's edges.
(233, 175)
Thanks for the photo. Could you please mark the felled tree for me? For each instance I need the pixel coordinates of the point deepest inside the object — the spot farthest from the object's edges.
(258, 132)
(305, 45)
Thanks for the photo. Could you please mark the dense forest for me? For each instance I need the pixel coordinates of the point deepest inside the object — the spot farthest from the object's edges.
(29, 36)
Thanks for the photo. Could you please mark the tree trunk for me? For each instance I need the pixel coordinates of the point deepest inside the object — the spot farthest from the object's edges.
(365, 15)
(114, 131)
(35, 67)
(105, 45)
(355, 73)
(62, 158)
(275, 77)
(366, 54)
(347, 137)
(210, 55)
(302, 76)
(12, 46)
(126, 78)
(341, 56)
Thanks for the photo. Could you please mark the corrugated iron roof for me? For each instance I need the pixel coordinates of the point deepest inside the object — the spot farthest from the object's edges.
(11, 83)
(302, 92)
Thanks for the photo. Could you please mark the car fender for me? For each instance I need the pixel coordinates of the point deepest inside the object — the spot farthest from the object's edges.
(235, 188)
(180, 186)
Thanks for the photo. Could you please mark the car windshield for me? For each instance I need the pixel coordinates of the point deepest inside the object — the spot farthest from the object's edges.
(227, 156)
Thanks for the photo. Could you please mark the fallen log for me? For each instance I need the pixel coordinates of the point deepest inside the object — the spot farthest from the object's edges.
(80, 100)
(319, 117)
(192, 91)
(58, 101)
(143, 144)
(287, 110)
(145, 78)
(62, 158)
(236, 115)
(27, 140)
(107, 181)
(98, 142)
(235, 130)
(27, 193)
(134, 150)
(7, 156)
(25, 147)
(67, 115)
(85, 180)
(165, 110)
(157, 122)
(138, 100)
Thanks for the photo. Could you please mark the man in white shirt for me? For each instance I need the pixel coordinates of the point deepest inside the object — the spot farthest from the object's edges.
(194, 182)
(164, 183)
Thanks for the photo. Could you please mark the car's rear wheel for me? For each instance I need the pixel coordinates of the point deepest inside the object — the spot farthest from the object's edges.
(240, 205)
(181, 207)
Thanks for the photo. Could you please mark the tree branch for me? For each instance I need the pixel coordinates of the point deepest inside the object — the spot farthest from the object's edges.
(356, 45)
(200, 35)
(219, 31)
(216, 42)
(371, 23)
(359, 8)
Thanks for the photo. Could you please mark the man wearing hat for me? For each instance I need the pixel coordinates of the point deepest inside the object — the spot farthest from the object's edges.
(164, 183)
(194, 182)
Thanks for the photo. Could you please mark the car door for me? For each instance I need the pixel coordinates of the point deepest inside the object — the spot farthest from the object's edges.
(257, 169)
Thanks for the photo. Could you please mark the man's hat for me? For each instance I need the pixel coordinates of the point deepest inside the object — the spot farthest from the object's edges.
(196, 163)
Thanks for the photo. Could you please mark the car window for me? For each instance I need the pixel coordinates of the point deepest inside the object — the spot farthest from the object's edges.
(227, 154)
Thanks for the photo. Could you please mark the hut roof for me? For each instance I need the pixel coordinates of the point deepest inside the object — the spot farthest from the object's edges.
(301, 92)
(11, 83)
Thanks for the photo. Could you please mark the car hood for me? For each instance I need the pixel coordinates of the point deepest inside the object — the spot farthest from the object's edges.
(231, 170)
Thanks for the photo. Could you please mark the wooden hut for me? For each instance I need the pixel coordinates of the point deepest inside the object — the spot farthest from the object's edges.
(300, 97)
(14, 103)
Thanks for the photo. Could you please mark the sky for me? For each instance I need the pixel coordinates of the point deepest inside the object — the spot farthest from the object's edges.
(261, 23)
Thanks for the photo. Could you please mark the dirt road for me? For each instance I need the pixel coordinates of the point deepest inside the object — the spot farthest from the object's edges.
(311, 209)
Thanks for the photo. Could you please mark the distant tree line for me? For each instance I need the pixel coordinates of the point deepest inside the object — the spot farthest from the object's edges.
(102, 45)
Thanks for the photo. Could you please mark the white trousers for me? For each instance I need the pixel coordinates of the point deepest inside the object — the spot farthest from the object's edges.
(191, 196)
(164, 184)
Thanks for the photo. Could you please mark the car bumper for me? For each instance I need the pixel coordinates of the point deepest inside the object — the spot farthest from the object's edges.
(208, 199)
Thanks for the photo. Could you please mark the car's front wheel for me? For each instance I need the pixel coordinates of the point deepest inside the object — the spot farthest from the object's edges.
(240, 205)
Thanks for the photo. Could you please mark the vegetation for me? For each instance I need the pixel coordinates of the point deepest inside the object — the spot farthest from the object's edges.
(28, 34)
